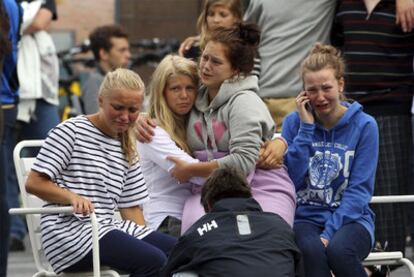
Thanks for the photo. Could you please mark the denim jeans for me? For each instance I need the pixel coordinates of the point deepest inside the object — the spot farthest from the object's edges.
(123, 252)
(5, 164)
(4, 230)
(8, 175)
(349, 246)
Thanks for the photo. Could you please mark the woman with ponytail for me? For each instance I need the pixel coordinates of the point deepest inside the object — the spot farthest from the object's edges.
(332, 159)
(91, 163)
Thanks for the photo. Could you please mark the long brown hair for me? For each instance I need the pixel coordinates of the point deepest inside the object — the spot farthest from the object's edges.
(241, 42)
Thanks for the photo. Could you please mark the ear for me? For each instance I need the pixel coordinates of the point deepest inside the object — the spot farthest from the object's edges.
(103, 55)
(341, 84)
(236, 72)
(100, 101)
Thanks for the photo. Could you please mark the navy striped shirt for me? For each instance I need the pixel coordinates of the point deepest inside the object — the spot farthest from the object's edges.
(379, 55)
(80, 158)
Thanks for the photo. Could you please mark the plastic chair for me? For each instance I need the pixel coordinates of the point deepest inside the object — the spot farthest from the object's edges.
(32, 208)
(396, 257)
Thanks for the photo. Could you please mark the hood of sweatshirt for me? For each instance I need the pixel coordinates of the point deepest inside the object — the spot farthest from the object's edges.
(227, 90)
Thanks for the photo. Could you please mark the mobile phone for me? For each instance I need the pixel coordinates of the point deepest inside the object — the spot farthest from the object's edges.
(308, 107)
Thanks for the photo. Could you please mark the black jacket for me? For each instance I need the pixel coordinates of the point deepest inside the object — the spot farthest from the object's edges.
(236, 239)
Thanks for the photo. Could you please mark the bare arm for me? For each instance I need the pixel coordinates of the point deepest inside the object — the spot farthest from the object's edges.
(184, 171)
(134, 214)
(41, 21)
(43, 187)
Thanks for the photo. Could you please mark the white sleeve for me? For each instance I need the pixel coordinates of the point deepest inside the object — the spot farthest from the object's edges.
(160, 148)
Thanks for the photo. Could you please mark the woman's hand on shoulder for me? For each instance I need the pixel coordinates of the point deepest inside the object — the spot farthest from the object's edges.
(271, 154)
(304, 108)
(80, 204)
(187, 44)
(144, 128)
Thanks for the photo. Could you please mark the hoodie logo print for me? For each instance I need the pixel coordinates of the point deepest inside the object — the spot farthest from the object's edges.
(323, 169)
(219, 128)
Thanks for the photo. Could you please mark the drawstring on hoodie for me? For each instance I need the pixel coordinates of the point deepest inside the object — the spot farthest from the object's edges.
(324, 162)
(209, 136)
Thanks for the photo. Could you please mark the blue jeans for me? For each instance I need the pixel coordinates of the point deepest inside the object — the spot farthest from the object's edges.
(126, 253)
(45, 118)
(5, 165)
(350, 245)
(4, 230)
(8, 175)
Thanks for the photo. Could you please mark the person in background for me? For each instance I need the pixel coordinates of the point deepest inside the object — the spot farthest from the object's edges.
(10, 15)
(110, 48)
(37, 111)
(215, 13)
(289, 29)
(332, 158)
(235, 237)
(90, 162)
(380, 76)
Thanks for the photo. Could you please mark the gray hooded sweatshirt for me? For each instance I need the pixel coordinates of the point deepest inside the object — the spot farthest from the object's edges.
(236, 121)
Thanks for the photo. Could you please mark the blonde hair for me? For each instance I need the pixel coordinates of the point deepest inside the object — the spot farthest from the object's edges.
(121, 79)
(235, 7)
(324, 56)
(173, 124)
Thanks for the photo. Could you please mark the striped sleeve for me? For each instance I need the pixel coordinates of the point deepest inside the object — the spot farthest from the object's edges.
(55, 154)
(134, 192)
(256, 67)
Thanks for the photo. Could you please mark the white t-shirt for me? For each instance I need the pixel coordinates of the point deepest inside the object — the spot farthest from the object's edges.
(167, 196)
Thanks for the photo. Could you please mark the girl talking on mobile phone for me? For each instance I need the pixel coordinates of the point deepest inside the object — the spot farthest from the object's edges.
(332, 159)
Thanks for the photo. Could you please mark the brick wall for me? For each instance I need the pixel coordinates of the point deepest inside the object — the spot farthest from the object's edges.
(159, 18)
(82, 16)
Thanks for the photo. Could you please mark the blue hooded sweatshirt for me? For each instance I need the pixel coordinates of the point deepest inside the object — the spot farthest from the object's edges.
(333, 170)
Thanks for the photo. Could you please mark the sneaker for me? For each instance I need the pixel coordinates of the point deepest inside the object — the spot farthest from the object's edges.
(16, 245)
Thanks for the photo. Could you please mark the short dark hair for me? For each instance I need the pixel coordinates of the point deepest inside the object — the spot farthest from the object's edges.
(224, 183)
(100, 38)
(241, 42)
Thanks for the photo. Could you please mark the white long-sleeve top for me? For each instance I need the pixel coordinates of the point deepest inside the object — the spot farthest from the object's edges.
(167, 196)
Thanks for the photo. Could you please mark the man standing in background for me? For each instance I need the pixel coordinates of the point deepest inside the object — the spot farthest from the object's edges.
(9, 35)
(289, 30)
(37, 113)
(110, 48)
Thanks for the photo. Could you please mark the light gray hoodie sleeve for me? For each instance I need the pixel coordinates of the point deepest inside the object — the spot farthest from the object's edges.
(250, 123)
